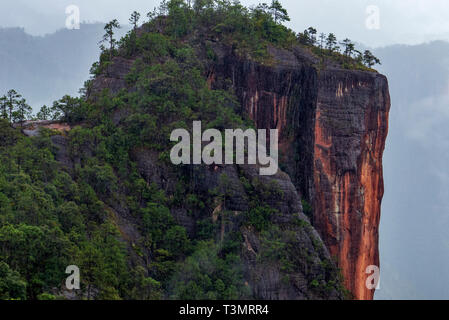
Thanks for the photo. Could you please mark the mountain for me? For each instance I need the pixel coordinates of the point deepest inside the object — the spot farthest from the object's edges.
(43, 69)
(98, 190)
(332, 125)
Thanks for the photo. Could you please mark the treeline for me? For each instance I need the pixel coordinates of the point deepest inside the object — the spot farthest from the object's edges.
(15, 109)
(51, 218)
(330, 44)
(248, 30)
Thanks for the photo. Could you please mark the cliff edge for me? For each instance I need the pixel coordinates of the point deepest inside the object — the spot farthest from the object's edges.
(333, 125)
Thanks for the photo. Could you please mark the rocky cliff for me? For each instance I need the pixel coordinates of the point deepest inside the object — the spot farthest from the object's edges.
(311, 275)
(333, 125)
(103, 192)
(351, 127)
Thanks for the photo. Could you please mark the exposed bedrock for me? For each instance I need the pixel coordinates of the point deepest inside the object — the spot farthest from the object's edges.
(332, 124)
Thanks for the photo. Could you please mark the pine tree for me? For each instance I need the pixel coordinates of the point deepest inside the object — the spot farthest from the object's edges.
(349, 47)
(23, 111)
(12, 100)
(369, 59)
(308, 37)
(63, 109)
(134, 20)
(108, 37)
(44, 114)
(4, 107)
(152, 14)
(278, 12)
(331, 42)
(322, 39)
(312, 35)
(358, 56)
(163, 8)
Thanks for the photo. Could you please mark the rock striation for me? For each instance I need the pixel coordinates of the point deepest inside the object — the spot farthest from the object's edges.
(332, 124)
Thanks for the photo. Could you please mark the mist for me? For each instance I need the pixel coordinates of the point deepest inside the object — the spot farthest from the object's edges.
(46, 61)
(400, 21)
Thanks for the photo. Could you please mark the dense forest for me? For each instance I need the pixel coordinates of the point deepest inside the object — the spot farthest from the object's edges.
(52, 216)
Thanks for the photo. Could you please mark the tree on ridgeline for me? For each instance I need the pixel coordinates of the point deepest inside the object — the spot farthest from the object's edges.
(151, 15)
(4, 107)
(349, 47)
(322, 40)
(369, 59)
(358, 56)
(264, 10)
(279, 13)
(108, 37)
(12, 100)
(134, 20)
(163, 8)
(65, 107)
(312, 35)
(308, 37)
(23, 111)
(331, 42)
(45, 113)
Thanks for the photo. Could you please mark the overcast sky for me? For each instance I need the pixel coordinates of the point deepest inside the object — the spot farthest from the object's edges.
(400, 21)
(415, 211)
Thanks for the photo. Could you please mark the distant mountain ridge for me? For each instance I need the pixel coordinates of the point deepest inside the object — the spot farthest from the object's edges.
(413, 233)
(43, 69)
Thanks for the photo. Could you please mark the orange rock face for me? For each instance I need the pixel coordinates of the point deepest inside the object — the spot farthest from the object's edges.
(61, 127)
(351, 127)
(332, 124)
(332, 127)
(52, 125)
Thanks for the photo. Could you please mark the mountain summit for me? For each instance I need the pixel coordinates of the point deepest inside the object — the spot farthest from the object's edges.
(103, 194)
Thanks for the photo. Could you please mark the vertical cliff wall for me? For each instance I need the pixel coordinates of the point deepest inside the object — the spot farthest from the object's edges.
(351, 125)
(333, 125)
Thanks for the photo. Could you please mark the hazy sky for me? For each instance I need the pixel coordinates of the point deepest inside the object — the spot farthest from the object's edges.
(400, 21)
(415, 211)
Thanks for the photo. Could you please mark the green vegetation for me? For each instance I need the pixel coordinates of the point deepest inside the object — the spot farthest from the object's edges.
(53, 216)
(14, 107)
(49, 220)
(328, 47)
(109, 35)
(308, 210)
(248, 31)
(206, 275)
